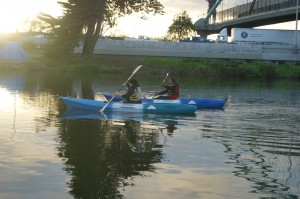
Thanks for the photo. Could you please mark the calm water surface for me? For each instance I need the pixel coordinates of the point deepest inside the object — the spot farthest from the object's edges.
(250, 149)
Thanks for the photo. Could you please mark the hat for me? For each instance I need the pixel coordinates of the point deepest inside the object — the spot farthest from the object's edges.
(133, 81)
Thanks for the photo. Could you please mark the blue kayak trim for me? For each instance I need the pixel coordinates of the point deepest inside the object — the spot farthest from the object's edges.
(97, 105)
(201, 103)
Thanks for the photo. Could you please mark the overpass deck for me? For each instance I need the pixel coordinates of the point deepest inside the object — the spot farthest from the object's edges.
(262, 12)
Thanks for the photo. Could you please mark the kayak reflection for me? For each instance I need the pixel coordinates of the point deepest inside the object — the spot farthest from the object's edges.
(168, 121)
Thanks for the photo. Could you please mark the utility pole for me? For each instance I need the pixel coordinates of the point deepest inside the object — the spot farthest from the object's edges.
(295, 49)
(297, 10)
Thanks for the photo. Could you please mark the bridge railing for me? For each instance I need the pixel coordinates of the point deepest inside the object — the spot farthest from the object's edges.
(259, 6)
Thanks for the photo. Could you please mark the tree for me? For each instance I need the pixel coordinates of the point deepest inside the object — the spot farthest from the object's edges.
(33, 25)
(181, 27)
(88, 18)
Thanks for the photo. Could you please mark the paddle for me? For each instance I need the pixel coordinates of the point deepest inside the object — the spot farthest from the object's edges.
(160, 85)
(137, 68)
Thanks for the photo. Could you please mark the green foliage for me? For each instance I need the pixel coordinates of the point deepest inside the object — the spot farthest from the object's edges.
(34, 25)
(223, 68)
(66, 31)
(181, 27)
(218, 68)
(29, 45)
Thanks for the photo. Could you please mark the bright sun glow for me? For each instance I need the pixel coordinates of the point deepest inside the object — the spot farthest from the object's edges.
(6, 100)
(13, 13)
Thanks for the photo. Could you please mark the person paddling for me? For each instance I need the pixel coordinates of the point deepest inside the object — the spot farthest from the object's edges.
(172, 89)
(133, 92)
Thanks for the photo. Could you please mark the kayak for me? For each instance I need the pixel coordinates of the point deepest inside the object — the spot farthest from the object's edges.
(97, 105)
(200, 103)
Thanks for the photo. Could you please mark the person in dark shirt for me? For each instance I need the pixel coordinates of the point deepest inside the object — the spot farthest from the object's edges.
(171, 89)
(133, 92)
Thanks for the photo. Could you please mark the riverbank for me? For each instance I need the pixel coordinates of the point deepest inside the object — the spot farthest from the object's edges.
(155, 65)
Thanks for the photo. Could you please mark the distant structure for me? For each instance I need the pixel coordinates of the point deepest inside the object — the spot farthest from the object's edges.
(12, 51)
(202, 24)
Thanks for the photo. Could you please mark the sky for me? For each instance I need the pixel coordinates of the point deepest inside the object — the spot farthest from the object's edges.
(14, 12)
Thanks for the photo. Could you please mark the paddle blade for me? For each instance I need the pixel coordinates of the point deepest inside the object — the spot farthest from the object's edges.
(137, 68)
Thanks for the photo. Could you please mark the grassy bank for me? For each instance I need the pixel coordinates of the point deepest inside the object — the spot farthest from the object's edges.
(153, 65)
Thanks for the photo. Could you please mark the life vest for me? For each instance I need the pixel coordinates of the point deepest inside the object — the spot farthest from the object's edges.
(136, 96)
(174, 93)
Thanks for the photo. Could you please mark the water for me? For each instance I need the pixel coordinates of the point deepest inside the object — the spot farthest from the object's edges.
(250, 149)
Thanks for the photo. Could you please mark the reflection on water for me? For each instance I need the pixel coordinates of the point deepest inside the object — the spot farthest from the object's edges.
(263, 146)
(113, 148)
(103, 155)
(250, 149)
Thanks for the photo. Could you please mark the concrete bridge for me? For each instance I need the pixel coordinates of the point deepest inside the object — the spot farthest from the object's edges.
(196, 50)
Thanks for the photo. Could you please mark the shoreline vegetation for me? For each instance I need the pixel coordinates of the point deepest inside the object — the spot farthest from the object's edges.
(220, 68)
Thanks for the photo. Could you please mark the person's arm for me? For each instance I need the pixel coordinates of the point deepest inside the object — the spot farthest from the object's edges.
(162, 92)
(129, 92)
